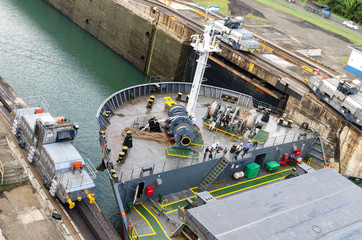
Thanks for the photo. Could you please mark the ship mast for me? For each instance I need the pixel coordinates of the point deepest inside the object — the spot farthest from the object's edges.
(204, 47)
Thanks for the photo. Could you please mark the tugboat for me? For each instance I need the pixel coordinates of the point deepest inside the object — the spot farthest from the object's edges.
(172, 147)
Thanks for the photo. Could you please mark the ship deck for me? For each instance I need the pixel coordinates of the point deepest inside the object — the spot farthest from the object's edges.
(158, 220)
(149, 153)
(155, 218)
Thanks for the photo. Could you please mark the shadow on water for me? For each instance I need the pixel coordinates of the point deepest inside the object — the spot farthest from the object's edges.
(44, 53)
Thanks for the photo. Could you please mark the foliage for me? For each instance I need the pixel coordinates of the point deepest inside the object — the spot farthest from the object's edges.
(350, 9)
(353, 36)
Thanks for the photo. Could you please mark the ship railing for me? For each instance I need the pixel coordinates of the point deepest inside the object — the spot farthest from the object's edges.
(89, 167)
(264, 105)
(33, 101)
(123, 96)
(184, 162)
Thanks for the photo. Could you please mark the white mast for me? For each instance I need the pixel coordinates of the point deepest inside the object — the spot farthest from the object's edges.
(204, 47)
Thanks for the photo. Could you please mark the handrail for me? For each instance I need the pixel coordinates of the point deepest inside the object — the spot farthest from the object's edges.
(322, 148)
(124, 95)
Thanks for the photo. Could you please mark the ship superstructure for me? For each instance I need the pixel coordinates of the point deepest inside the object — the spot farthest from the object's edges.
(168, 156)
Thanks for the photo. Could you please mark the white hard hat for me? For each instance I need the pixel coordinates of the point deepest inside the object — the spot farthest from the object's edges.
(249, 140)
(217, 143)
(192, 114)
(241, 144)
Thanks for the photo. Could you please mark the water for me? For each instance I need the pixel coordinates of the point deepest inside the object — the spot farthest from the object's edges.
(42, 53)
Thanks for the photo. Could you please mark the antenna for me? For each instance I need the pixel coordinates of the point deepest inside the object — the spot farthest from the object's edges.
(204, 47)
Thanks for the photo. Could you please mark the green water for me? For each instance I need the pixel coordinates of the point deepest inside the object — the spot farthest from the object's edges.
(42, 53)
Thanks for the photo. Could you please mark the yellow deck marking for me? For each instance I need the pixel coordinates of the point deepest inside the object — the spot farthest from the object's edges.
(191, 189)
(249, 187)
(217, 129)
(147, 223)
(156, 220)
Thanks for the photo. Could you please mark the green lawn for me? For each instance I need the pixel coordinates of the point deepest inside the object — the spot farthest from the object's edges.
(223, 4)
(296, 11)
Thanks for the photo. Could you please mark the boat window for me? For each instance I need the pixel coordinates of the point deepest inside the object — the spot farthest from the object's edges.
(36, 130)
(66, 135)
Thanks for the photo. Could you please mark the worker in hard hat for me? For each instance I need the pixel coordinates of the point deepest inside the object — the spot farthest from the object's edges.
(238, 150)
(215, 146)
(208, 151)
(223, 121)
(193, 120)
(212, 125)
(247, 147)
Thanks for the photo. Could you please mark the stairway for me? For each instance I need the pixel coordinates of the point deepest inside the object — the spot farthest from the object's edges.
(13, 170)
(215, 172)
(317, 151)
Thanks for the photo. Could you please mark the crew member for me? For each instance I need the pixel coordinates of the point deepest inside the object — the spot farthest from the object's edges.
(193, 120)
(209, 150)
(247, 147)
(212, 125)
(238, 150)
(223, 121)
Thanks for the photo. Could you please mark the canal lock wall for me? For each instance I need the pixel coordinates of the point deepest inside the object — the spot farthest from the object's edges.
(154, 42)
(342, 142)
(158, 45)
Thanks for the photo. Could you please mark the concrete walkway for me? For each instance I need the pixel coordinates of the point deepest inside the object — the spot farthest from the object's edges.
(23, 213)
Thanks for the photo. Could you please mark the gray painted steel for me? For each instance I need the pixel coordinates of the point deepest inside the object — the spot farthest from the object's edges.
(318, 204)
(191, 176)
(122, 96)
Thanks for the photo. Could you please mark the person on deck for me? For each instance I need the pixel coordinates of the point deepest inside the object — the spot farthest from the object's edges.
(238, 150)
(212, 125)
(247, 147)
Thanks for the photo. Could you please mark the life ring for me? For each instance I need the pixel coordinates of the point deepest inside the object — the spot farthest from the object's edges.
(328, 165)
(130, 225)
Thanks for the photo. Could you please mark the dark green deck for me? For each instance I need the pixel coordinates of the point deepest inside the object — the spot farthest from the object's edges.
(177, 152)
(261, 136)
(198, 141)
(233, 188)
(160, 234)
(238, 134)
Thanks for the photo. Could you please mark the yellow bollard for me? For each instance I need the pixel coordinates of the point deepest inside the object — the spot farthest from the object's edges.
(91, 198)
(71, 204)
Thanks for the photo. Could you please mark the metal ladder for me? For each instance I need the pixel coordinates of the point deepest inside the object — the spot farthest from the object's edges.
(317, 150)
(216, 171)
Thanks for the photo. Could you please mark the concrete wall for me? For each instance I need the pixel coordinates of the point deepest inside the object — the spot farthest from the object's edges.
(149, 39)
(156, 44)
(342, 142)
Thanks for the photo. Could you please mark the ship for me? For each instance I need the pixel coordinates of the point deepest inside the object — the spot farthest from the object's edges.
(193, 161)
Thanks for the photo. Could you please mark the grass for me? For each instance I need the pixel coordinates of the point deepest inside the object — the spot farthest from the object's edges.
(223, 4)
(257, 19)
(344, 59)
(316, 20)
(296, 11)
(7, 187)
